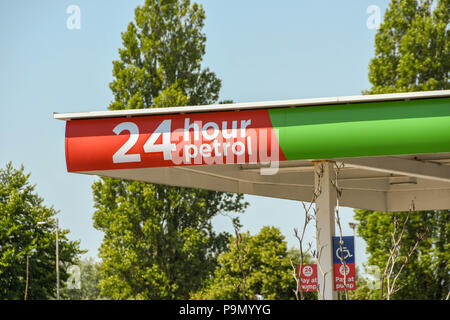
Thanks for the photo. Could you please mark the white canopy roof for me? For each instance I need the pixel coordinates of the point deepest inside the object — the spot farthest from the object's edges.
(386, 183)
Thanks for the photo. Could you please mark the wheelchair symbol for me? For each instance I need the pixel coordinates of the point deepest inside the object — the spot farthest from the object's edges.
(347, 253)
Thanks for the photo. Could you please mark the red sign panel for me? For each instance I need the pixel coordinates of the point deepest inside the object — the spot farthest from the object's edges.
(308, 277)
(339, 276)
(171, 140)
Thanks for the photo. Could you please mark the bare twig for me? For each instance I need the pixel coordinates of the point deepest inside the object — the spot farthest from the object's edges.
(296, 276)
(389, 274)
(26, 283)
(241, 250)
(323, 273)
(241, 254)
(337, 169)
(300, 238)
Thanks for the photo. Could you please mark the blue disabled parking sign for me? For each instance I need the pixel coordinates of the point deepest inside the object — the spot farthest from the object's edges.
(348, 249)
(344, 274)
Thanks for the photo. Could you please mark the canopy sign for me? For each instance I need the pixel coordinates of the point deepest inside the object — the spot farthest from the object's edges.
(176, 140)
(259, 136)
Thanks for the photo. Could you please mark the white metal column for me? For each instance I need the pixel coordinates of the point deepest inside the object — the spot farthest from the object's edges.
(325, 206)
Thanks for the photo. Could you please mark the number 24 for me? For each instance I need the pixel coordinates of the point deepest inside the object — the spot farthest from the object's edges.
(166, 147)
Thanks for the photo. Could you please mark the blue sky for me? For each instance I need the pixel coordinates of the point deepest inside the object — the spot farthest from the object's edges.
(262, 50)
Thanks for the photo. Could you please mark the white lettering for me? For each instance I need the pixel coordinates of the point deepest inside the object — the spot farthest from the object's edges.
(225, 147)
(233, 134)
(244, 124)
(216, 148)
(215, 133)
(189, 155)
(205, 150)
(187, 127)
(234, 148)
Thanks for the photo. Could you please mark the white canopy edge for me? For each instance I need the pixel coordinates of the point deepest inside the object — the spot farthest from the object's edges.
(253, 105)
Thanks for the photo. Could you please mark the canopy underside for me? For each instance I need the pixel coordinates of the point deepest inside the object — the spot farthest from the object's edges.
(377, 183)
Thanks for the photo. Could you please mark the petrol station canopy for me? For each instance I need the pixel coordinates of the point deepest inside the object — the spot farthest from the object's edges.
(395, 148)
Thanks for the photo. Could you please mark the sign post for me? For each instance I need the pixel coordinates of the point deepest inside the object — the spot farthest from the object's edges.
(325, 228)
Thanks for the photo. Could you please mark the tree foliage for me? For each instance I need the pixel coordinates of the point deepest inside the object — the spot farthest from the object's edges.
(426, 275)
(21, 236)
(365, 288)
(412, 54)
(161, 58)
(412, 48)
(159, 242)
(254, 265)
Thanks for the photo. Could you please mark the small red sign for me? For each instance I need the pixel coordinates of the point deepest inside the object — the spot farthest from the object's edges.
(308, 277)
(339, 276)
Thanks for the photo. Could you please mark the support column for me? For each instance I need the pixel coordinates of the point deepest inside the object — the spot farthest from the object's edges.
(325, 206)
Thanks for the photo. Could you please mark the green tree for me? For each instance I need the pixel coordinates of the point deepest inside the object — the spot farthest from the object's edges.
(412, 54)
(365, 288)
(89, 282)
(159, 242)
(161, 57)
(412, 48)
(426, 275)
(254, 265)
(23, 240)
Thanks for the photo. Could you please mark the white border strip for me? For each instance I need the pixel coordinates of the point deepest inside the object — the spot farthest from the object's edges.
(253, 105)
